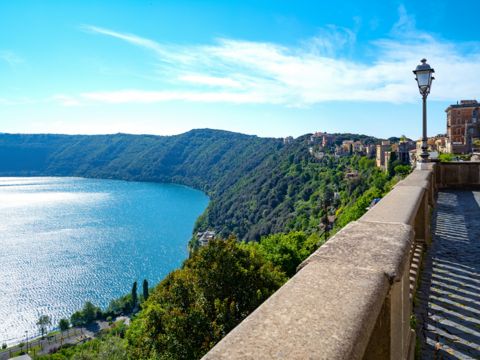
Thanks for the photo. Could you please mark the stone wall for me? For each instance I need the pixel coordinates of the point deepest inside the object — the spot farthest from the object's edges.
(462, 174)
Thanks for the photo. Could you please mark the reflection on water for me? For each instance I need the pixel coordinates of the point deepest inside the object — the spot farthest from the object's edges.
(64, 241)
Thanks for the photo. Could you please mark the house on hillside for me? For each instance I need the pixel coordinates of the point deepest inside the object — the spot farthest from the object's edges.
(205, 237)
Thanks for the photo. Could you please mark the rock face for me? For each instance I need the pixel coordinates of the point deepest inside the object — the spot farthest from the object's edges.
(448, 306)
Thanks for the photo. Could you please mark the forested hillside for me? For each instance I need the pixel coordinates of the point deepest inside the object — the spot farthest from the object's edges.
(257, 186)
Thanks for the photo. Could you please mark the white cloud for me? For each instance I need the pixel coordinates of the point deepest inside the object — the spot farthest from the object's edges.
(10, 57)
(140, 96)
(237, 71)
(66, 100)
(201, 79)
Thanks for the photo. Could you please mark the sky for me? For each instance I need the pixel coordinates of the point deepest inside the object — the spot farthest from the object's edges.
(271, 68)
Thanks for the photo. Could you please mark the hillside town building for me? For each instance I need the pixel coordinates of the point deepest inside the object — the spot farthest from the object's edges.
(463, 126)
(382, 149)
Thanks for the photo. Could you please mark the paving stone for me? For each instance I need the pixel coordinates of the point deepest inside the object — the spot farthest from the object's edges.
(448, 298)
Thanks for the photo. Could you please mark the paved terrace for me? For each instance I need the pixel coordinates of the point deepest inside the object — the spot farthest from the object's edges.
(448, 300)
(353, 298)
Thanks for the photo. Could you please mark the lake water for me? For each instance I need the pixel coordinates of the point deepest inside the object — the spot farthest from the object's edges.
(64, 241)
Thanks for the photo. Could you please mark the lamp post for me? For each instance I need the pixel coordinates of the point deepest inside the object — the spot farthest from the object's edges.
(423, 75)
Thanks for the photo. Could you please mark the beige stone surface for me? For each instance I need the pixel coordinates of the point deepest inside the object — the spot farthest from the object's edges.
(399, 206)
(378, 246)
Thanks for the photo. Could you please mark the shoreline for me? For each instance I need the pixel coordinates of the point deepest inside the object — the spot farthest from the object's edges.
(17, 321)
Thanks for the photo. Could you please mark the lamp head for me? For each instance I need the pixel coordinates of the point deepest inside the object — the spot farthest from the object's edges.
(423, 75)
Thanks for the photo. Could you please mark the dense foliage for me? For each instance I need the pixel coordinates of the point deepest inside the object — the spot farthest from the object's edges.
(195, 306)
(257, 186)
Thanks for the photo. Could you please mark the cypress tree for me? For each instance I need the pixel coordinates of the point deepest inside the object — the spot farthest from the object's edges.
(145, 289)
(134, 295)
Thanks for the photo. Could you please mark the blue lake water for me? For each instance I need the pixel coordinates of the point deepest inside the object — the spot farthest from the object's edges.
(64, 241)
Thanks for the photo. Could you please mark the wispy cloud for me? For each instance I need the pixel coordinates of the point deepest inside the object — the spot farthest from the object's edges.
(10, 57)
(18, 101)
(139, 96)
(239, 71)
(66, 100)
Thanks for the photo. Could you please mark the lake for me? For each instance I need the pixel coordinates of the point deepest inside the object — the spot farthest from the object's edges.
(64, 241)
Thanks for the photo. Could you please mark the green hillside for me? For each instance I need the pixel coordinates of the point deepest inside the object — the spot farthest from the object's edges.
(257, 185)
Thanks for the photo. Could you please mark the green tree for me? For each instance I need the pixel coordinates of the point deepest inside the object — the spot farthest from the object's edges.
(76, 319)
(392, 162)
(145, 289)
(357, 208)
(195, 306)
(446, 157)
(90, 312)
(122, 305)
(402, 170)
(64, 324)
(43, 323)
(286, 251)
(134, 295)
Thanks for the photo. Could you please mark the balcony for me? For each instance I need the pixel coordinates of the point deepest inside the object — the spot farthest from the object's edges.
(354, 297)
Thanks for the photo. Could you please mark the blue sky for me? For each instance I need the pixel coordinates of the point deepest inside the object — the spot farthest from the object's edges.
(271, 68)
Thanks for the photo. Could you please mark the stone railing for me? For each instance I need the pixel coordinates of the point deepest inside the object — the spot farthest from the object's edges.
(352, 298)
(458, 174)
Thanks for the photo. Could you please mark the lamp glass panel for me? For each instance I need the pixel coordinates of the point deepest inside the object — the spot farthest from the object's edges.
(423, 78)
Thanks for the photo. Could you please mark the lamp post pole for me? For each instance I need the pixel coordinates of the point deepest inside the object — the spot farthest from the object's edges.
(423, 75)
(424, 154)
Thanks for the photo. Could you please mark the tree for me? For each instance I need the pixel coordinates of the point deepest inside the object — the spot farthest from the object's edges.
(89, 312)
(63, 324)
(77, 319)
(402, 170)
(43, 323)
(145, 289)
(194, 307)
(392, 162)
(134, 295)
(286, 251)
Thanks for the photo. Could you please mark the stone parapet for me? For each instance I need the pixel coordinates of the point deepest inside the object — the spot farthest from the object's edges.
(461, 174)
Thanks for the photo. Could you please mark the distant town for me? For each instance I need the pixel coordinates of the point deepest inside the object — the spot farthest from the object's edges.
(462, 139)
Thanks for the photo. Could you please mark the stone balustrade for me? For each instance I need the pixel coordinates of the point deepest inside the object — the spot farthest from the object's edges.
(458, 174)
(352, 298)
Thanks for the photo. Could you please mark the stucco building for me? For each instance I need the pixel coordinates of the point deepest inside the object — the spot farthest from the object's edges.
(462, 126)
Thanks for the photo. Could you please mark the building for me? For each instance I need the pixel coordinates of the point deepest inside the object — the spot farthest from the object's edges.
(205, 237)
(380, 154)
(462, 126)
(322, 138)
(403, 149)
(370, 150)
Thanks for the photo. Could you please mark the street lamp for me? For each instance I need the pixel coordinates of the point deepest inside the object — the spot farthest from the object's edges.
(423, 75)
